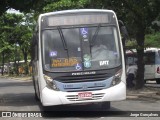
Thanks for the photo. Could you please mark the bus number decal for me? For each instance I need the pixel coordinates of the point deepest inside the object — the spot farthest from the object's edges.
(103, 63)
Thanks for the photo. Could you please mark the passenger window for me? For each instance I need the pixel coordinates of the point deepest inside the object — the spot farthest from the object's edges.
(34, 52)
(149, 58)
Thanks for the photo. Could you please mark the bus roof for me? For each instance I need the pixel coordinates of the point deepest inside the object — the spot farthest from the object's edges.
(152, 49)
(76, 11)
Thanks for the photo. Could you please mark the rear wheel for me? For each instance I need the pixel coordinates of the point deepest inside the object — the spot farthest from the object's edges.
(158, 81)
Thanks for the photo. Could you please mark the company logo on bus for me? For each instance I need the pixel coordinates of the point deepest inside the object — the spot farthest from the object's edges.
(84, 73)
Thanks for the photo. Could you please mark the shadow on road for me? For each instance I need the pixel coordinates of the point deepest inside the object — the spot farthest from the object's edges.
(21, 99)
(17, 96)
(16, 93)
(83, 114)
(82, 111)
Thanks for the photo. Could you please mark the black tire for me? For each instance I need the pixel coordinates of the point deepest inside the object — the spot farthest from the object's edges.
(106, 105)
(35, 91)
(158, 81)
(36, 97)
(46, 108)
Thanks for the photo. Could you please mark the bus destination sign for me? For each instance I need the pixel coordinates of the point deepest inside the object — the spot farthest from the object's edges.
(77, 20)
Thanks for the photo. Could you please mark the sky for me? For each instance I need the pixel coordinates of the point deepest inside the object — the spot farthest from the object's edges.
(13, 11)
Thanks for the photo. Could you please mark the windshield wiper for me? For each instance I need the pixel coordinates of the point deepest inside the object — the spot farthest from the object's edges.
(62, 38)
(95, 35)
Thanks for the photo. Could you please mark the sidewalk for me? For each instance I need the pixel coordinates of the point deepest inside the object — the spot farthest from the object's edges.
(147, 93)
(23, 78)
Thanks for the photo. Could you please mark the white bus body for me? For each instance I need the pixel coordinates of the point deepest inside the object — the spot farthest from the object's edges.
(152, 63)
(65, 75)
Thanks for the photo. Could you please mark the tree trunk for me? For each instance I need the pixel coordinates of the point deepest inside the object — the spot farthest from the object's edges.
(25, 61)
(2, 63)
(140, 63)
(15, 62)
(8, 65)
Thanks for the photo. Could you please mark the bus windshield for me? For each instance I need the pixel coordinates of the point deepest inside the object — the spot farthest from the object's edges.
(80, 48)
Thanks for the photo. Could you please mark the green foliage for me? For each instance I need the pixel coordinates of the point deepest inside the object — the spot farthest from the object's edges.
(22, 5)
(131, 44)
(65, 4)
(15, 36)
(152, 40)
(8, 23)
(138, 15)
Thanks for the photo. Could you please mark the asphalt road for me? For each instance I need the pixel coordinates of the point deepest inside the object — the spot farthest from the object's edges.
(16, 95)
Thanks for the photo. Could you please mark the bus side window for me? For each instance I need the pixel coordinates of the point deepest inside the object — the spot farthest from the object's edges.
(145, 60)
(34, 48)
(149, 58)
(159, 53)
(157, 57)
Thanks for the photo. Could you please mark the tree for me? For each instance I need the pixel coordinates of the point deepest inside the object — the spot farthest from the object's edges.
(15, 32)
(5, 49)
(65, 4)
(23, 34)
(138, 14)
(22, 5)
(24, 43)
(142, 14)
(152, 40)
(7, 23)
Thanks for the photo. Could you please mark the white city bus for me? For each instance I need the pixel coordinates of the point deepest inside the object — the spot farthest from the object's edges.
(77, 58)
(151, 61)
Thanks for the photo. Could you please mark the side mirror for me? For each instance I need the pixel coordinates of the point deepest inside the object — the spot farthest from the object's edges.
(34, 48)
(34, 40)
(123, 30)
(124, 33)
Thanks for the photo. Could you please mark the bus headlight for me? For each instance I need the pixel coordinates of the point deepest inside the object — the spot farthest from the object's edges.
(117, 78)
(50, 82)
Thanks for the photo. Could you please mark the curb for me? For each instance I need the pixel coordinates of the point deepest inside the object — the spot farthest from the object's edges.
(150, 97)
(153, 86)
(130, 97)
(144, 95)
(21, 79)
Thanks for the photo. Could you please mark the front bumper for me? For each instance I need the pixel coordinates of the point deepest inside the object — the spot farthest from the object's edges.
(50, 97)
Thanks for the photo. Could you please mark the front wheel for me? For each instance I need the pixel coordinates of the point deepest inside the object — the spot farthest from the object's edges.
(105, 105)
(35, 91)
(36, 96)
(158, 81)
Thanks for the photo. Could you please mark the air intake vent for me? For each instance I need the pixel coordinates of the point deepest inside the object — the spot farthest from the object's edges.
(94, 97)
(82, 78)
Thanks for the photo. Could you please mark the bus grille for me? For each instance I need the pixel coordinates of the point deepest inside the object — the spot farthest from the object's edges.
(96, 96)
(83, 78)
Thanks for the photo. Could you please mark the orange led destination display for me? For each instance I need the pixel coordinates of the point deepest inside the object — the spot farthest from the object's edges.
(77, 19)
(64, 62)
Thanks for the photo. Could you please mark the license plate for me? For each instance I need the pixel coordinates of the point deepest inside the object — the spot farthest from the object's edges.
(85, 95)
